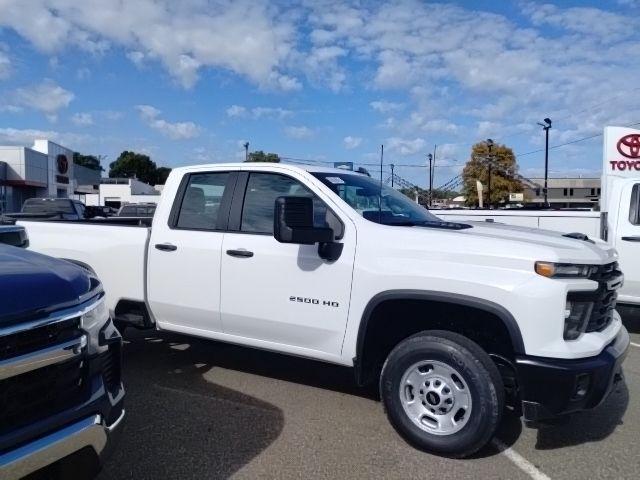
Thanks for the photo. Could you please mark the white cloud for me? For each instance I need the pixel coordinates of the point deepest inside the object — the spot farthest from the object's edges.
(298, 132)
(236, 111)
(384, 106)
(5, 65)
(352, 142)
(46, 97)
(14, 136)
(175, 131)
(256, 113)
(406, 146)
(82, 119)
(83, 73)
(254, 39)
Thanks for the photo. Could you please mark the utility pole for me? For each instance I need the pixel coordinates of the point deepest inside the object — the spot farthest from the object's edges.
(246, 151)
(433, 167)
(430, 158)
(490, 161)
(391, 165)
(546, 126)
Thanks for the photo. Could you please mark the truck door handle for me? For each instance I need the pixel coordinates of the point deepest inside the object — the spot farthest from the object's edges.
(240, 253)
(634, 238)
(166, 247)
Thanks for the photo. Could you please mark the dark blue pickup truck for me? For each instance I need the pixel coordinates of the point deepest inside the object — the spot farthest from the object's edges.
(60, 364)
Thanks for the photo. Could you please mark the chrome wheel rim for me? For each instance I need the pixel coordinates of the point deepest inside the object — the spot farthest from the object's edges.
(436, 397)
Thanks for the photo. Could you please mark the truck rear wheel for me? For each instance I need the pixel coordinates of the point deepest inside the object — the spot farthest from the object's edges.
(442, 393)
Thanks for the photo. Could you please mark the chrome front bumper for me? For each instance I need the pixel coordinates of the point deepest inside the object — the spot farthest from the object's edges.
(91, 432)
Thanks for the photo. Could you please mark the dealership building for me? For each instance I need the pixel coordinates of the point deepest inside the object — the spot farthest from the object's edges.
(45, 169)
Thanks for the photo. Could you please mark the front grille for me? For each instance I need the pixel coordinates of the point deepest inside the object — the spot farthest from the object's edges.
(34, 339)
(41, 393)
(604, 299)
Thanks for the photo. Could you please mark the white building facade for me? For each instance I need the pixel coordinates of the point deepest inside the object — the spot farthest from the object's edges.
(115, 192)
(45, 169)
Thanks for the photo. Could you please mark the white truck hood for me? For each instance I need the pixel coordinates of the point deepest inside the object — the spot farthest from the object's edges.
(570, 250)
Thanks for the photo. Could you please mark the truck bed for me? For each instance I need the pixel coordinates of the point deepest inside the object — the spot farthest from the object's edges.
(114, 250)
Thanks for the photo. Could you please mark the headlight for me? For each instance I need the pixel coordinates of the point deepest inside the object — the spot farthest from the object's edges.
(576, 317)
(92, 321)
(96, 316)
(563, 270)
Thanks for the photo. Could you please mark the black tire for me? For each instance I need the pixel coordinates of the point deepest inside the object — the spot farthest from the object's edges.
(478, 371)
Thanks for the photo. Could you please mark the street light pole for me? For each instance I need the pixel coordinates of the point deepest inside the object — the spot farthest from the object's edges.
(546, 126)
(430, 158)
(391, 165)
(490, 161)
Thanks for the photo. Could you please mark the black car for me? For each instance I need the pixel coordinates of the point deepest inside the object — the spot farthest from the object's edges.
(61, 393)
(137, 210)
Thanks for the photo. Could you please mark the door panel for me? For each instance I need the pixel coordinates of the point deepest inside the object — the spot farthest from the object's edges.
(627, 241)
(184, 256)
(283, 293)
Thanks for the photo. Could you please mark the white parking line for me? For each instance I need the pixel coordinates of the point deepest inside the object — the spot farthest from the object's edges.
(522, 463)
(635, 344)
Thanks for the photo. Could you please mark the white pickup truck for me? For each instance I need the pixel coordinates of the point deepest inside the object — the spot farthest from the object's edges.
(453, 321)
(617, 222)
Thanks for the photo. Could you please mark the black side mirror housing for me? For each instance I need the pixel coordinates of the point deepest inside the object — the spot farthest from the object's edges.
(293, 223)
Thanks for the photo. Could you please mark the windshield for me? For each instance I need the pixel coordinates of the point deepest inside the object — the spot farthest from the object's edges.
(389, 206)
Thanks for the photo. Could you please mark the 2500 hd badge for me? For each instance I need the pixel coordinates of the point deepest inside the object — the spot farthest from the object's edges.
(314, 301)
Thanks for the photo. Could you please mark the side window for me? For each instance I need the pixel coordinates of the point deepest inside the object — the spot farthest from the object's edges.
(634, 208)
(260, 197)
(201, 201)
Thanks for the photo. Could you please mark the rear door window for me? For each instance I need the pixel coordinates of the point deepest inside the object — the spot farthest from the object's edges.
(200, 206)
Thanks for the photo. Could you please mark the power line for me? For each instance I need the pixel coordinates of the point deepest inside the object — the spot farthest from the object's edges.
(518, 155)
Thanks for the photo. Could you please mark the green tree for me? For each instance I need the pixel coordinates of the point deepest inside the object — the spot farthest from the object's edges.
(161, 175)
(501, 162)
(132, 164)
(89, 161)
(260, 156)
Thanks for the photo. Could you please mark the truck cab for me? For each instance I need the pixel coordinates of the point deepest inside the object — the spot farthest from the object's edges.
(60, 365)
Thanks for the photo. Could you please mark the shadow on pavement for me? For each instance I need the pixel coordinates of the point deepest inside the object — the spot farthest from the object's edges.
(630, 317)
(179, 425)
(588, 426)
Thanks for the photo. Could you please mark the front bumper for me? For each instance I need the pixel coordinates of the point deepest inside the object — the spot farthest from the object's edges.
(91, 432)
(550, 387)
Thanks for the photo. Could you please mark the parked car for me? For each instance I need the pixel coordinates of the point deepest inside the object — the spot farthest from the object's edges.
(452, 320)
(93, 211)
(13, 235)
(60, 372)
(60, 208)
(144, 210)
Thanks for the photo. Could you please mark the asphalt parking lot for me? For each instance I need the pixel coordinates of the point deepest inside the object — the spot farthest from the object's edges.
(200, 409)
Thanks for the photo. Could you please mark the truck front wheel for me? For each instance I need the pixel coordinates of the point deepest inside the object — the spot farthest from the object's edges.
(442, 393)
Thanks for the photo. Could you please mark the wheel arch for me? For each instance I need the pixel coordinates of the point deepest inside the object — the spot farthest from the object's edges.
(505, 318)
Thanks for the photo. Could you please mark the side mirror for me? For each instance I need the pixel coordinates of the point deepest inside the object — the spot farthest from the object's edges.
(293, 223)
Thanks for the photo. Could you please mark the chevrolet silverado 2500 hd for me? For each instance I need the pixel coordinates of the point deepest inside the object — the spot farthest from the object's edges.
(452, 320)
(60, 387)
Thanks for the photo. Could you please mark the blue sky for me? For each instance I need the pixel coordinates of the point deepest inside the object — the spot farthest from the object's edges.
(188, 82)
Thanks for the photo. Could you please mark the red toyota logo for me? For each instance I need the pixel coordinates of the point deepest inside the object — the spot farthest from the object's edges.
(629, 145)
(63, 164)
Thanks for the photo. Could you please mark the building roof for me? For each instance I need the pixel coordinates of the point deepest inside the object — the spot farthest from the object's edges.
(568, 182)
